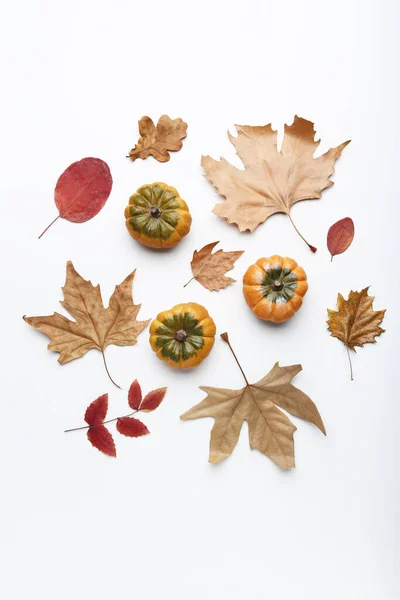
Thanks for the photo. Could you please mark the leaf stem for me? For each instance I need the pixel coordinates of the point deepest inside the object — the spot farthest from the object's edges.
(351, 366)
(103, 423)
(226, 339)
(108, 372)
(189, 281)
(312, 248)
(48, 226)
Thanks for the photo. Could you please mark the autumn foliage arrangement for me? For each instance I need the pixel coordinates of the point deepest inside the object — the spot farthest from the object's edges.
(95, 416)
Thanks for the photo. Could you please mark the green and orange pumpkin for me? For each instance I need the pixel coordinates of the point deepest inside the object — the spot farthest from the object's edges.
(274, 288)
(183, 336)
(157, 217)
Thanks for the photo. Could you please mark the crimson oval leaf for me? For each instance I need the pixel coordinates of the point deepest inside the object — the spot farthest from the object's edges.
(101, 438)
(82, 190)
(135, 395)
(96, 411)
(131, 427)
(153, 399)
(340, 236)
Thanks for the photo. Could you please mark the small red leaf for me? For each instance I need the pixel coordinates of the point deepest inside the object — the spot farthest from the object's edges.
(340, 236)
(153, 399)
(101, 438)
(83, 189)
(131, 427)
(97, 410)
(135, 395)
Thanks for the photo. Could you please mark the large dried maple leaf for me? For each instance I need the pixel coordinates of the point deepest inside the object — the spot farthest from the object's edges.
(209, 269)
(271, 181)
(355, 322)
(94, 325)
(158, 140)
(270, 430)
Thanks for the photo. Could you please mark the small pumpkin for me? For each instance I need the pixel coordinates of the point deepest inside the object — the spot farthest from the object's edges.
(183, 336)
(274, 288)
(157, 217)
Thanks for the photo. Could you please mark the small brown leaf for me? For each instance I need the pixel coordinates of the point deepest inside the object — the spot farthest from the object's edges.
(209, 269)
(270, 430)
(158, 140)
(355, 323)
(340, 236)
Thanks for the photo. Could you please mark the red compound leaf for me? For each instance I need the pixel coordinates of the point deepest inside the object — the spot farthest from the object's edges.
(131, 427)
(101, 438)
(96, 411)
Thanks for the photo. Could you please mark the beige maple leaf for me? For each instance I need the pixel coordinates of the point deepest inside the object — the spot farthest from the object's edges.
(270, 430)
(209, 269)
(158, 140)
(355, 322)
(271, 181)
(94, 325)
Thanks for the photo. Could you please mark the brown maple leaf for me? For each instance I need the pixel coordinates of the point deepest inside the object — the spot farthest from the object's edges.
(94, 325)
(271, 181)
(158, 140)
(355, 322)
(270, 430)
(209, 269)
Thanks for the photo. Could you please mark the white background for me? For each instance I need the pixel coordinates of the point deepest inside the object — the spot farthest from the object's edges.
(160, 522)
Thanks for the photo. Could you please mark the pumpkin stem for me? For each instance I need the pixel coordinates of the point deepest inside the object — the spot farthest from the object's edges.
(108, 372)
(312, 248)
(155, 211)
(188, 282)
(226, 340)
(181, 335)
(351, 366)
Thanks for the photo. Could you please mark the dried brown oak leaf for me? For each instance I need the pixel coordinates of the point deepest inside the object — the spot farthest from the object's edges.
(355, 322)
(271, 181)
(94, 325)
(157, 140)
(270, 430)
(209, 269)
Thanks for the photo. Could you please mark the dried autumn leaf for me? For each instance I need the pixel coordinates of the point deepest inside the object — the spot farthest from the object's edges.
(153, 400)
(82, 190)
(270, 430)
(157, 141)
(271, 181)
(94, 325)
(355, 322)
(131, 427)
(135, 395)
(96, 412)
(101, 438)
(340, 236)
(209, 269)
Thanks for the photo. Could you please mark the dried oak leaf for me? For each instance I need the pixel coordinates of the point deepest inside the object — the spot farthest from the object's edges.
(270, 430)
(271, 181)
(355, 322)
(158, 140)
(94, 325)
(340, 236)
(209, 269)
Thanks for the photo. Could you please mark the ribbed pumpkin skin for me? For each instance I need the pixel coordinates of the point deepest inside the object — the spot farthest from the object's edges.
(157, 217)
(274, 288)
(188, 321)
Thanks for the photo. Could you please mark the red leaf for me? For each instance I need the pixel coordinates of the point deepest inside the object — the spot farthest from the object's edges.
(82, 190)
(135, 395)
(153, 399)
(102, 439)
(96, 411)
(131, 427)
(340, 236)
